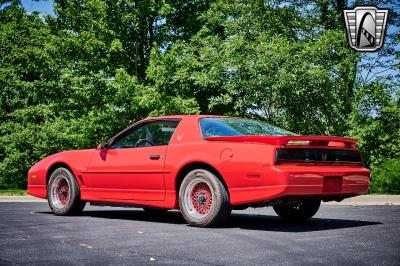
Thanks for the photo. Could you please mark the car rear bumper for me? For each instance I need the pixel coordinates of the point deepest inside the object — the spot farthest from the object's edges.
(318, 182)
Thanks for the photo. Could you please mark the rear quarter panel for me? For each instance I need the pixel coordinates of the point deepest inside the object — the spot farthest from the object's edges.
(240, 164)
(249, 171)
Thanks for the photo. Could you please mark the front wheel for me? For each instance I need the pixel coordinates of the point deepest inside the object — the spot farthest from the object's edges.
(299, 211)
(63, 193)
(203, 199)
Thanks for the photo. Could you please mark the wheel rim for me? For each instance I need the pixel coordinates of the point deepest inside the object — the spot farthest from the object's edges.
(60, 191)
(198, 198)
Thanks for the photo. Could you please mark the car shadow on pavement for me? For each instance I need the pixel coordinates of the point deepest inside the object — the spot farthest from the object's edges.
(171, 217)
(237, 220)
(274, 223)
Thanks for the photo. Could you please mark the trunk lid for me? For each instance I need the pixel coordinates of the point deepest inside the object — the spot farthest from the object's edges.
(305, 149)
(292, 141)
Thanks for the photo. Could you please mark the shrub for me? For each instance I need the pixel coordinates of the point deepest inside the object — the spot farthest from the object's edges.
(386, 177)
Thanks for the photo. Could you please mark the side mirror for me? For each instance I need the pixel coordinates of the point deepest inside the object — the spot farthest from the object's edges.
(103, 146)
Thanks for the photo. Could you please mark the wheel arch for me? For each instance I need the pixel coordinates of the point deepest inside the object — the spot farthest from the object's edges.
(56, 165)
(197, 165)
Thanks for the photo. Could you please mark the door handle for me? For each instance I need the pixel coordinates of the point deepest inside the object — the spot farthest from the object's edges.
(154, 156)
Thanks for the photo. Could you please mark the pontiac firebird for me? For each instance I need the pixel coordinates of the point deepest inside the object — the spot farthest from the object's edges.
(205, 166)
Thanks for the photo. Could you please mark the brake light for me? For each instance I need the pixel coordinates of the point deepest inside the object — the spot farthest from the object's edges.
(298, 143)
(336, 144)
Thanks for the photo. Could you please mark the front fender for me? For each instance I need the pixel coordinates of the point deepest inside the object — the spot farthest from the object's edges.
(76, 160)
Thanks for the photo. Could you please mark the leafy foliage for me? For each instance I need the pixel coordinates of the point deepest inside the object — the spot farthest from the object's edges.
(247, 60)
(72, 80)
(386, 178)
(375, 121)
(57, 96)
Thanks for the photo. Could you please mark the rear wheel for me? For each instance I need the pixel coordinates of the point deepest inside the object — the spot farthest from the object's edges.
(203, 199)
(63, 193)
(299, 211)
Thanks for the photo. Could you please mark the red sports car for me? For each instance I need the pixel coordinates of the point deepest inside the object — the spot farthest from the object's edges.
(205, 166)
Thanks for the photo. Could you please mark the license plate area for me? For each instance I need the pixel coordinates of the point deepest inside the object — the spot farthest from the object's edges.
(332, 184)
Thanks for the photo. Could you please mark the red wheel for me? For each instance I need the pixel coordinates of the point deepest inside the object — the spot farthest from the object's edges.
(203, 199)
(64, 193)
(198, 198)
(60, 192)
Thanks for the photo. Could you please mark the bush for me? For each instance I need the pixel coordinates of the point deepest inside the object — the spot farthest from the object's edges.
(386, 177)
(4, 186)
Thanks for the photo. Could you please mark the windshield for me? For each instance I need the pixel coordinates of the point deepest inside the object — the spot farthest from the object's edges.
(230, 126)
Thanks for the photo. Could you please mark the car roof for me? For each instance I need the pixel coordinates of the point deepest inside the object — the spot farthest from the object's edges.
(183, 116)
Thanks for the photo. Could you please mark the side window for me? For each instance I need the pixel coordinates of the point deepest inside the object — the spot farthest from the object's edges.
(152, 134)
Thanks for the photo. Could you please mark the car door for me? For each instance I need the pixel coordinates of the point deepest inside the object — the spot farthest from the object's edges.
(132, 167)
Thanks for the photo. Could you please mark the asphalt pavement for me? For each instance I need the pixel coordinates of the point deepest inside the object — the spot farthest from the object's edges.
(338, 235)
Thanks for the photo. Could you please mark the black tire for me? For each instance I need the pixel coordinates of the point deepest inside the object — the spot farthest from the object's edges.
(214, 204)
(300, 211)
(65, 200)
(154, 211)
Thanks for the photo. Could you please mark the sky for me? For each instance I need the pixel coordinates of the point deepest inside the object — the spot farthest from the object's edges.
(42, 6)
(46, 7)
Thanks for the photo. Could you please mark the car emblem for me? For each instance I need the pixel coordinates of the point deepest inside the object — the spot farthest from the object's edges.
(179, 137)
(324, 156)
(365, 27)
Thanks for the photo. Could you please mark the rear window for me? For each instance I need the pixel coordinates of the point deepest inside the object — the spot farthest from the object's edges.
(230, 126)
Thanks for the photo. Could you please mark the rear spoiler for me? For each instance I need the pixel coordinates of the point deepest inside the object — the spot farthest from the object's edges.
(292, 140)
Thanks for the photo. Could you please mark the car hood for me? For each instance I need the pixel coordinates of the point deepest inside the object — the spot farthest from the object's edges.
(76, 158)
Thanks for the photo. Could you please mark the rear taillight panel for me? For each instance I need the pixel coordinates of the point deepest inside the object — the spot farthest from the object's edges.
(310, 155)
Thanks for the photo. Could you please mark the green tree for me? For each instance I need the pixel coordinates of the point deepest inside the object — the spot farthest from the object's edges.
(267, 61)
(375, 121)
(74, 79)
(59, 92)
(104, 36)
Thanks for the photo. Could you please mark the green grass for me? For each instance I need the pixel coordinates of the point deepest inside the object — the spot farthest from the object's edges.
(12, 192)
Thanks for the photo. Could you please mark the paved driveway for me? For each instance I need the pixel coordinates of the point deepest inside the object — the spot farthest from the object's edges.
(338, 235)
